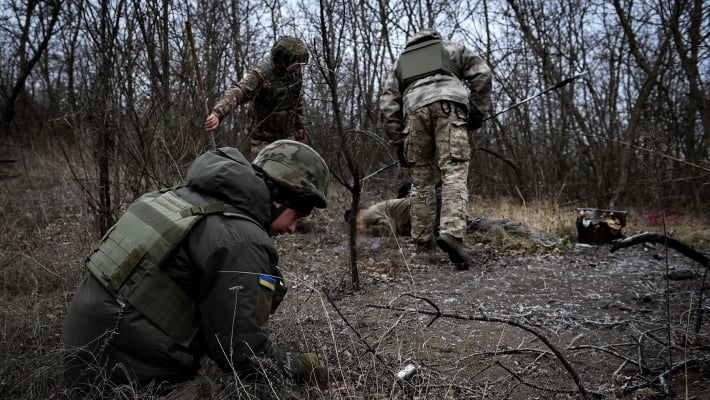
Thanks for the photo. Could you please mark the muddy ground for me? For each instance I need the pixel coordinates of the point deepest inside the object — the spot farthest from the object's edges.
(532, 319)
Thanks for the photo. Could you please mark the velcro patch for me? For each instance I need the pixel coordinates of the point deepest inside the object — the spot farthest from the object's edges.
(267, 281)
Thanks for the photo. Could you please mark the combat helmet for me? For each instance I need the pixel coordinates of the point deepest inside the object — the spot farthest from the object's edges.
(289, 50)
(297, 174)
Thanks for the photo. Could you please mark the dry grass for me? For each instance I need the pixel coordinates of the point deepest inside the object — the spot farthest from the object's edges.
(47, 231)
(551, 220)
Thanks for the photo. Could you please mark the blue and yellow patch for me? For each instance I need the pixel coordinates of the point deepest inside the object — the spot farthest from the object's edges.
(267, 281)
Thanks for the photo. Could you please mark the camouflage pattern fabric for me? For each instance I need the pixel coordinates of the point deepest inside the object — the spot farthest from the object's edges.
(430, 116)
(388, 217)
(437, 148)
(297, 167)
(289, 50)
(472, 89)
(277, 108)
(258, 145)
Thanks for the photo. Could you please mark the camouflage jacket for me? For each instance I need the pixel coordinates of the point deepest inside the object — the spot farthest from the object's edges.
(471, 89)
(388, 217)
(276, 101)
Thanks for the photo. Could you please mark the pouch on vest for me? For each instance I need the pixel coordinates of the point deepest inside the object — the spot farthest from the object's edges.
(424, 59)
(127, 262)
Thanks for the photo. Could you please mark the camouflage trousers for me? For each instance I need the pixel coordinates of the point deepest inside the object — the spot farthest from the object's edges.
(258, 143)
(437, 148)
(257, 138)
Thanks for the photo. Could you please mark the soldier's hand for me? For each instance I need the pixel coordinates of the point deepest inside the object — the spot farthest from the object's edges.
(211, 122)
(314, 371)
(301, 135)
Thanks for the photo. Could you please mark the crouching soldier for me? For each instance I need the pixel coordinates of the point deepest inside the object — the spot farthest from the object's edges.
(192, 271)
(392, 216)
(385, 218)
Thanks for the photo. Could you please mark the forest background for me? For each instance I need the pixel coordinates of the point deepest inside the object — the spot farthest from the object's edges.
(101, 101)
(110, 86)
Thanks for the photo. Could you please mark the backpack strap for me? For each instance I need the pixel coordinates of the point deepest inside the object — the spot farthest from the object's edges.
(219, 207)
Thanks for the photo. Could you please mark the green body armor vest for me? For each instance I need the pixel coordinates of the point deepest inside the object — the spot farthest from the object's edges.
(423, 59)
(127, 262)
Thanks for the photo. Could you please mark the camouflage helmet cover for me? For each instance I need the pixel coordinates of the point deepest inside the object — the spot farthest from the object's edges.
(298, 168)
(289, 50)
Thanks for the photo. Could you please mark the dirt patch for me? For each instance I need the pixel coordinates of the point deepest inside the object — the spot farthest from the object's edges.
(527, 321)
(531, 318)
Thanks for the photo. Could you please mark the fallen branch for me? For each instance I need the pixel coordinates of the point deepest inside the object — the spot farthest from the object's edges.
(511, 322)
(531, 385)
(606, 350)
(664, 240)
(678, 246)
(362, 339)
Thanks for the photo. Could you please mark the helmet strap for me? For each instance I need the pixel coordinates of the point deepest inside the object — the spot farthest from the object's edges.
(281, 196)
(277, 211)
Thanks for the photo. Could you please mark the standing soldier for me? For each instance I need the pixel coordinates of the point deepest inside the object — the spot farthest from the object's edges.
(191, 272)
(437, 91)
(274, 87)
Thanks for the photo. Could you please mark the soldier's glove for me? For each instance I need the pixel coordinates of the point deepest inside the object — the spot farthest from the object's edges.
(474, 122)
(399, 148)
(314, 371)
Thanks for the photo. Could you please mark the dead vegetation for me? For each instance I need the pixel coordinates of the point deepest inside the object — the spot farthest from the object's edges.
(535, 318)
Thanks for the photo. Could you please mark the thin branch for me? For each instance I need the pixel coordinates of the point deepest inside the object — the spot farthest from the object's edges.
(665, 240)
(352, 328)
(511, 322)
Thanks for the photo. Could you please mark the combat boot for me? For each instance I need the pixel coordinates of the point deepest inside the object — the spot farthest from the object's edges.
(455, 249)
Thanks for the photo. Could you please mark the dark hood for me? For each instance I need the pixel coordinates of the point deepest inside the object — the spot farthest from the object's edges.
(227, 175)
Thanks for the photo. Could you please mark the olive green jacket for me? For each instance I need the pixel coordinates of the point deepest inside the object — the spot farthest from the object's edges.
(218, 264)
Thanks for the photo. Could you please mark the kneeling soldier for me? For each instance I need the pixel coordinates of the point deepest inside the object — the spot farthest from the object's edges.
(191, 271)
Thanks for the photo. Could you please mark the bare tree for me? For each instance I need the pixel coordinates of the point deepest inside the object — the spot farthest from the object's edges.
(329, 53)
(36, 21)
(650, 63)
(117, 89)
(690, 30)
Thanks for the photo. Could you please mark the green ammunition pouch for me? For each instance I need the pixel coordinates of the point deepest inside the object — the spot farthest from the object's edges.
(127, 261)
(424, 59)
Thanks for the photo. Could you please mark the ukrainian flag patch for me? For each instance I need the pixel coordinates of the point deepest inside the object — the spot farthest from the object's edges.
(267, 281)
